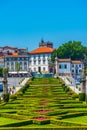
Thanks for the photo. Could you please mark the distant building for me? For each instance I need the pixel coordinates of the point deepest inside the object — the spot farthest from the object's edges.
(7, 50)
(68, 67)
(11, 60)
(1, 61)
(46, 44)
(39, 58)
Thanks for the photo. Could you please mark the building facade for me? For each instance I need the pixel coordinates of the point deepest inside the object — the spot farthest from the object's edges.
(68, 67)
(10, 61)
(39, 58)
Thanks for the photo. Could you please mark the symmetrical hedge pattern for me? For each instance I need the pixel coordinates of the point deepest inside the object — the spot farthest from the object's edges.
(43, 103)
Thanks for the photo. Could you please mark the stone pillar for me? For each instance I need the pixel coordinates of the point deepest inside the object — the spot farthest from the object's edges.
(57, 66)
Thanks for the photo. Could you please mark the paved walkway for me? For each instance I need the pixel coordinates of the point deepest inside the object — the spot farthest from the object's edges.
(71, 84)
(22, 84)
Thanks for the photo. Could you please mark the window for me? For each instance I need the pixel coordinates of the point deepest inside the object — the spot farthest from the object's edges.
(12, 63)
(59, 66)
(20, 63)
(34, 62)
(34, 57)
(39, 62)
(25, 67)
(25, 63)
(65, 66)
(80, 65)
(7, 63)
(43, 61)
(80, 71)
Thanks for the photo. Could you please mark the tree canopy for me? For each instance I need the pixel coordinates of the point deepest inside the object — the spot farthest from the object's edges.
(72, 49)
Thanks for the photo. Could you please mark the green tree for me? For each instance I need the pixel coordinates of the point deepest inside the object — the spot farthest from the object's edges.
(72, 49)
(5, 85)
(1, 72)
(17, 67)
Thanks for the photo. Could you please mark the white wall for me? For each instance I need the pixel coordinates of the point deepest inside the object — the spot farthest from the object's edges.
(45, 56)
(64, 70)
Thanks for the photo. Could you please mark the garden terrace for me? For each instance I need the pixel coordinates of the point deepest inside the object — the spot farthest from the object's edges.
(44, 103)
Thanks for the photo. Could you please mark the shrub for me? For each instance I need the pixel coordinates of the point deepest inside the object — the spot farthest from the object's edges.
(82, 96)
(13, 96)
(41, 121)
(66, 89)
(74, 96)
(24, 88)
(5, 97)
(20, 123)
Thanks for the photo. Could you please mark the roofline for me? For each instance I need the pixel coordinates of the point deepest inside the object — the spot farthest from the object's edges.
(39, 53)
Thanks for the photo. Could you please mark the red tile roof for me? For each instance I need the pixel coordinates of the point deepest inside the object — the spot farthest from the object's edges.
(76, 62)
(42, 50)
(64, 60)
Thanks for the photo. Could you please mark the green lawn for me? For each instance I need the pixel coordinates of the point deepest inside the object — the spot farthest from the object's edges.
(4, 121)
(80, 119)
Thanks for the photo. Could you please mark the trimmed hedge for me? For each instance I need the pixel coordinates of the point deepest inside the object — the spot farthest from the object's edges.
(66, 123)
(5, 97)
(75, 114)
(41, 122)
(17, 124)
(82, 96)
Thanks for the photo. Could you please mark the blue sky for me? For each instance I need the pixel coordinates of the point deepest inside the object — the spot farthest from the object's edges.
(23, 23)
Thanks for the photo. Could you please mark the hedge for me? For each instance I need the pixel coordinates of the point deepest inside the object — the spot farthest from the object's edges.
(66, 123)
(75, 114)
(17, 124)
(82, 96)
(41, 122)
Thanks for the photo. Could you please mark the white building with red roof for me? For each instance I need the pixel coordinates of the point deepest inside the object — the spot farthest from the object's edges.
(40, 57)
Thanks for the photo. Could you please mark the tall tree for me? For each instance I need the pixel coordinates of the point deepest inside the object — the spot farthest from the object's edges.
(5, 94)
(72, 49)
(5, 81)
(1, 72)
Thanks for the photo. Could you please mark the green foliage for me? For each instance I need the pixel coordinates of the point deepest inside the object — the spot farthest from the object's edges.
(67, 123)
(72, 49)
(41, 122)
(24, 88)
(74, 96)
(17, 67)
(5, 97)
(1, 72)
(19, 123)
(82, 96)
(13, 96)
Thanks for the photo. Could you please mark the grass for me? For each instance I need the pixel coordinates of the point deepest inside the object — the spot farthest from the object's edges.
(4, 121)
(79, 119)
